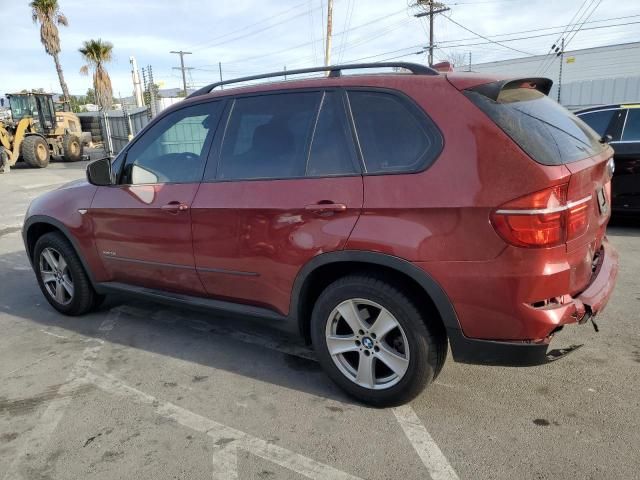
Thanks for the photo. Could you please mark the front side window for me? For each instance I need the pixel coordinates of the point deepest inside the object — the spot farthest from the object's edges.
(267, 136)
(631, 131)
(598, 121)
(393, 135)
(174, 149)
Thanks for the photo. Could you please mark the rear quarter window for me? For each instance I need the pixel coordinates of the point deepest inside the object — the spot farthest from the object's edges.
(395, 136)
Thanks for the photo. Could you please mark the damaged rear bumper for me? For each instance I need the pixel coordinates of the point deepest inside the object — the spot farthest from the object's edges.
(582, 308)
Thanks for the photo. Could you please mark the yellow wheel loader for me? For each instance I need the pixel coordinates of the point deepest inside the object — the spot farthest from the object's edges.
(37, 131)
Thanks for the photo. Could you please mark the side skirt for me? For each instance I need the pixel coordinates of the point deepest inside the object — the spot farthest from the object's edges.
(199, 303)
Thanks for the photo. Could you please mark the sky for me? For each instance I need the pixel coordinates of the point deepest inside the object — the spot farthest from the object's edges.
(251, 36)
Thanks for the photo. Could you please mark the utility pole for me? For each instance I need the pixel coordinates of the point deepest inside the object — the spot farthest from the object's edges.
(561, 55)
(327, 52)
(137, 89)
(220, 70)
(433, 9)
(469, 69)
(183, 68)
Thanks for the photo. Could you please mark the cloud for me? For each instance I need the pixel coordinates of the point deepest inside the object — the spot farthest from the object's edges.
(251, 36)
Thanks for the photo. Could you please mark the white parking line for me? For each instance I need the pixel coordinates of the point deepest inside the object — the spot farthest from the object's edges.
(431, 456)
(54, 412)
(424, 445)
(226, 440)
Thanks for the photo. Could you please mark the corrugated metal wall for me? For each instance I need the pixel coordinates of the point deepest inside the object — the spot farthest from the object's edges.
(587, 93)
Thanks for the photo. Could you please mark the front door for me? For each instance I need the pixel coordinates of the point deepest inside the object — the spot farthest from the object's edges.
(142, 225)
(286, 187)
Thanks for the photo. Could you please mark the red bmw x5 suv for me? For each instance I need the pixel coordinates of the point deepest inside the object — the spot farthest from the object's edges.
(384, 217)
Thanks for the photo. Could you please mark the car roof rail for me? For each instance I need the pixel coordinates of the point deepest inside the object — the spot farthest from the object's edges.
(334, 71)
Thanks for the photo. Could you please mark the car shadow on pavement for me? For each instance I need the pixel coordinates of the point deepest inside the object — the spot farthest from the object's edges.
(237, 345)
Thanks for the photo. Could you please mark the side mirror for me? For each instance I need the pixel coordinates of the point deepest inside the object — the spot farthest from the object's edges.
(99, 172)
(606, 139)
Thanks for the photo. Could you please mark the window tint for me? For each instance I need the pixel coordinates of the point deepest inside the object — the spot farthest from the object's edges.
(632, 126)
(599, 121)
(172, 151)
(393, 136)
(547, 131)
(267, 136)
(332, 150)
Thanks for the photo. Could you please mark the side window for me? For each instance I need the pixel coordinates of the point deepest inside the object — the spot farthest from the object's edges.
(173, 150)
(332, 149)
(395, 136)
(631, 132)
(598, 121)
(267, 136)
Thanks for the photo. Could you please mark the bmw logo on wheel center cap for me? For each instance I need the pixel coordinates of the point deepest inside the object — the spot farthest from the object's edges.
(367, 342)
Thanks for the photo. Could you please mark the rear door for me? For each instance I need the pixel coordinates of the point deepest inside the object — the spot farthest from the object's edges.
(142, 225)
(282, 186)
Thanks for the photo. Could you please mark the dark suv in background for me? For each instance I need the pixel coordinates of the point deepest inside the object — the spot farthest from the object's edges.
(622, 123)
(382, 216)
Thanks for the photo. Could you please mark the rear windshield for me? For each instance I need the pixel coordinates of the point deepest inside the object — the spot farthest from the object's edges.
(548, 132)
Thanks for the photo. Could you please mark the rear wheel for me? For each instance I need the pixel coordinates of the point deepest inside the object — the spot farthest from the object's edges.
(35, 151)
(72, 148)
(61, 276)
(373, 342)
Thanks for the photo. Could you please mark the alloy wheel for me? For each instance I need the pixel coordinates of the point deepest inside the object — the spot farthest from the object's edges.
(56, 276)
(367, 344)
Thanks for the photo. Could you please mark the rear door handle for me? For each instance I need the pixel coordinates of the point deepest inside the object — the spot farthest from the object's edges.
(175, 207)
(326, 207)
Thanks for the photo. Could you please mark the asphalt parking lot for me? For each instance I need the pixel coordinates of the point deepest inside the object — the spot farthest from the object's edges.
(140, 390)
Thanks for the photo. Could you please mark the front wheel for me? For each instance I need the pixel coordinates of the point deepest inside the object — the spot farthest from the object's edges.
(72, 148)
(372, 340)
(61, 276)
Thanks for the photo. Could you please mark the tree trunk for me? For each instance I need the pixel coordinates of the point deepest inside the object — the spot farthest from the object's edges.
(63, 84)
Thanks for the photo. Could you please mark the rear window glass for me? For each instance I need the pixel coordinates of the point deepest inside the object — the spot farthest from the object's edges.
(599, 121)
(394, 135)
(631, 131)
(548, 132)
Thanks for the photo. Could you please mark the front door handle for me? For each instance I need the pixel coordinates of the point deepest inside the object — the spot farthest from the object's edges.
(326, 207)
(175, 207)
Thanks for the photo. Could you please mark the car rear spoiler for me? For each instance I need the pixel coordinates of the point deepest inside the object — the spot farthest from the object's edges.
(492, 90)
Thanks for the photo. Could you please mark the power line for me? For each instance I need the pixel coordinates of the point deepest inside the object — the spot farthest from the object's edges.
(583, 22)
(550, 53)
(198, 45)
(251, 33)
(486, 38)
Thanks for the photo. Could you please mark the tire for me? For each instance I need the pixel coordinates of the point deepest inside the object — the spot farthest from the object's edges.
(35, 151)
(418, 365)
(72, 148)
(54, 281)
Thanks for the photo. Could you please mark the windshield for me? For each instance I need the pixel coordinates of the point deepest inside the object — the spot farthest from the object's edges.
(548, 132)
(22, 106)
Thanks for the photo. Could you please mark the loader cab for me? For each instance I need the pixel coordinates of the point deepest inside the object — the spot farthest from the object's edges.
(38, 106)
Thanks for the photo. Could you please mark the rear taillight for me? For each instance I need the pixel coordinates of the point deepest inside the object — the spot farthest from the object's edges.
(542, 219)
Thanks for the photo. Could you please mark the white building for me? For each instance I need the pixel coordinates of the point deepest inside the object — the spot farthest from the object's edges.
(592, 76)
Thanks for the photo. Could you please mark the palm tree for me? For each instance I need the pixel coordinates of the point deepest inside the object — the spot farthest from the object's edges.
(48, 14)
(96, 53)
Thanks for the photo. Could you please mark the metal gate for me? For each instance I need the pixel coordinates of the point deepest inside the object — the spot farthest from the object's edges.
(115, 128)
